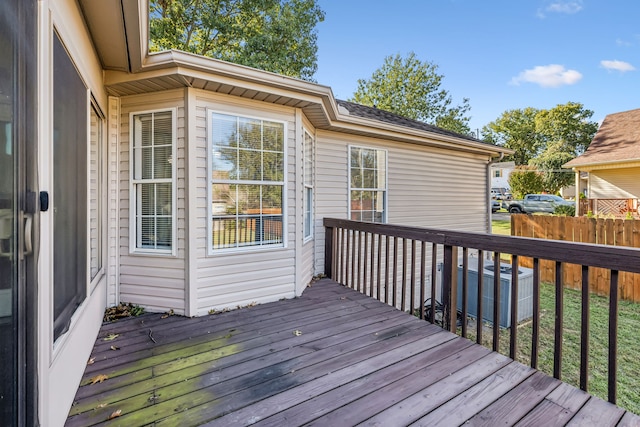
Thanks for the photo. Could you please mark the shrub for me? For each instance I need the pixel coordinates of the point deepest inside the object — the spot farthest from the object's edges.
(565, 210)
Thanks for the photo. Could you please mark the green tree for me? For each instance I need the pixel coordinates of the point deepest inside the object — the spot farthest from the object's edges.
(566, 128)
(516, 129)
(412, 88)
(549, 163)
(272, 35)
(525, 180)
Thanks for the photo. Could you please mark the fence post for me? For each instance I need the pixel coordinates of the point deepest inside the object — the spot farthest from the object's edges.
(450, 287)
(328, 250)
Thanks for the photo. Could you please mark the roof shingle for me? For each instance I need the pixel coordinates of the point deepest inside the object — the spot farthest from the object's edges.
(617, 140)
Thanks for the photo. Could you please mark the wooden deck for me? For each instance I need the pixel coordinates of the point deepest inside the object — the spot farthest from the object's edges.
(331, 357)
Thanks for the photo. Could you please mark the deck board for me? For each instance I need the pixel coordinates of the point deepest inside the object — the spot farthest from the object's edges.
(331, 357)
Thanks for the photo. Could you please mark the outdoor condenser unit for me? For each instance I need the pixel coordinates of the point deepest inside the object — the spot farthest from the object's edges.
(525, 292)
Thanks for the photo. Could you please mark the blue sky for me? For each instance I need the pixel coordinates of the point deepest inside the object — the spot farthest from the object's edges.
(501, 54)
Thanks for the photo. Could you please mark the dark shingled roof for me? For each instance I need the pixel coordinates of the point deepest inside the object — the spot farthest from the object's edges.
(373, 113)
(617, 140)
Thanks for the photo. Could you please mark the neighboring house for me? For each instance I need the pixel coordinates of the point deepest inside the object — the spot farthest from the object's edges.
(179, 182)
(500, 174)
(613, 161)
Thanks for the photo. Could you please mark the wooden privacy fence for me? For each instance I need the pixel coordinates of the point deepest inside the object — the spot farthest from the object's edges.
(612, 232)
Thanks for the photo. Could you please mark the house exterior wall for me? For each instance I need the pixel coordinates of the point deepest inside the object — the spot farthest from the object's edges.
(620, 183)
(427, 187)
(154, 281)
(61, 364)
(232, 277)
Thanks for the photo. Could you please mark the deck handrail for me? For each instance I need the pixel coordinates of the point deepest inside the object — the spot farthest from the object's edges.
(354, 253)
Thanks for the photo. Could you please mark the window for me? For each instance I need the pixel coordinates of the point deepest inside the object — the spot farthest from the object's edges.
(247, 182)
(95, 193)
(497, 173)
(153, 178)
(308, 185)
(368, 184)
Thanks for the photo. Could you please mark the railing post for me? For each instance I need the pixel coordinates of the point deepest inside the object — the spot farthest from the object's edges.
(328, 250)
(450, 287)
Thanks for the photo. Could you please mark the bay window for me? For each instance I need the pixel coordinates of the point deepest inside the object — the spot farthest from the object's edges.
(247, 182)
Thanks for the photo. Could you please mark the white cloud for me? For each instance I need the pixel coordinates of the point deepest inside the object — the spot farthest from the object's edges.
(617, 65)
(552, 75)
(624, 43)
(561, 6)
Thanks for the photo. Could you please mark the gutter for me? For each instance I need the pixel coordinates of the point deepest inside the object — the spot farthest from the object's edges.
(488, 190)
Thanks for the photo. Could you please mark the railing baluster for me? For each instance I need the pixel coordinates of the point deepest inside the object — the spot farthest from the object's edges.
(357, 250)
(344, 253)
(403, 300)
(372, 264)
(350, 258)
(465, 289)
(334, 253)
(423, 272)
(496, 301)
(450, 287)
(513, 343)
(413, 276)
(386, 270)
(379, 278)
(480, 296)
(584, 331)
(434, 279)
(557, 351)
(613, 335)
(535, 333)
(367, 287)
(395, 271)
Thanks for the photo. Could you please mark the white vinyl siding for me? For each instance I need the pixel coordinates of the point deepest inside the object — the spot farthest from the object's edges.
(232, 277)
(247, 182)
(152, 279)
(623, 183)
(152, 181)
(427, 187)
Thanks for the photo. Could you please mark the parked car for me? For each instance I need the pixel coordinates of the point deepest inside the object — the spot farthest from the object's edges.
(538, 203)
(500, 193)
(495, 205)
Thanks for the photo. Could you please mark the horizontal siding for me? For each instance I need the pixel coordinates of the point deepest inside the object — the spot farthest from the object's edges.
(427, 187)
(615, 183)
(229, 279)
(155, 282)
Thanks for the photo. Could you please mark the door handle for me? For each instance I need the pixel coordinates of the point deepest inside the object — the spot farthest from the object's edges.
(28, 234)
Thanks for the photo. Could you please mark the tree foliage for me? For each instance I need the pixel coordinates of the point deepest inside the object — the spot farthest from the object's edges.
(530, 132)
(525, 180)
(412, 88)
(549, 163)
(272, 35)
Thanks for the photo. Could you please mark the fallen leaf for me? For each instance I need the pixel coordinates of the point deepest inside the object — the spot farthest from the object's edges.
(100, 406)
(113, 347)
(167, 314)
(91, 361)
(99, 378)
(115, 414)
(297, 333)
(110, 337)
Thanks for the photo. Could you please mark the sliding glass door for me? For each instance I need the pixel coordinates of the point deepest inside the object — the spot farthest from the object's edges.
(17, 166)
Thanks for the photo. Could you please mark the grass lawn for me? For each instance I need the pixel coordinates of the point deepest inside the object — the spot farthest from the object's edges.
(628, 344)
(501, 227)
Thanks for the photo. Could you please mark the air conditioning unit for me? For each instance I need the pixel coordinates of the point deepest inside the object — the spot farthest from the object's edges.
(525, 292)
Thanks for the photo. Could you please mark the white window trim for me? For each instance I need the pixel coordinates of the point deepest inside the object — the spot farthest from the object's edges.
(102, 183)
(255, 248)
(385, 214)
(307, 185)
(133, 232)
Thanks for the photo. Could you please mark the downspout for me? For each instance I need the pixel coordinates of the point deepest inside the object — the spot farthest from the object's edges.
(488, 195)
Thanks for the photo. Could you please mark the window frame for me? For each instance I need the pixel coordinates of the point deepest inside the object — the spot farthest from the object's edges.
(101, 163)
(308, 187)
(211, 251)
(385, 213)
(133, 197)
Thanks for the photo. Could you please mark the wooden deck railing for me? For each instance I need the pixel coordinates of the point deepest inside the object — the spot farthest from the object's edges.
(402, 266)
